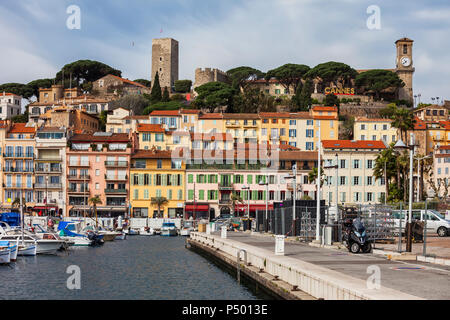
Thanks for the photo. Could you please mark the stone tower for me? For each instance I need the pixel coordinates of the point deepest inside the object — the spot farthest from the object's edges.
(165, 61)
(404, 67)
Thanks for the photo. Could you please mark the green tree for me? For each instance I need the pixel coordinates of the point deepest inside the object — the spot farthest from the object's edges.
(165, 96)
(234, 199)
(333, 72)
(214, 94)
(403, 119)
(183, 86)
(159, 201)
(346, 130)
(376, 82)
(83, 71)
(302, 100)
(22, 118)
(331, 100)
(252, 100)
(171, 105)
(156, 95)
(386, 167)
(134, 102)
(289, 74)
(144, 82)
(40, 83)
(240, 75)
(103, 119)
(95, 201)
(17, 88)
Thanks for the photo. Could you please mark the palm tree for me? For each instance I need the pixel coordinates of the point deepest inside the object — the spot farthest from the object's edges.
(385, 166)
(403, 119)
(236, 198)
(94, 201)
(159, 201)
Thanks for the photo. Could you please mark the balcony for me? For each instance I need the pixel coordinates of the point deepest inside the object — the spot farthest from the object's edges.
(226, 186)
(116, 178)
(79, 164)
(232, 124)
(115, 164)
(18, 155)
(11, 169)
(78, 191)
(18, 186)
(225, 201)
(250, 125)
(80, 177)
(48, 185)
(116, 191)
(48, 170)
(49, 158)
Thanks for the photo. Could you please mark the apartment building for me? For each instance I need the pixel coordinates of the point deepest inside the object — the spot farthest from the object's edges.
(10, 105)
(441, 168)
(375, 129)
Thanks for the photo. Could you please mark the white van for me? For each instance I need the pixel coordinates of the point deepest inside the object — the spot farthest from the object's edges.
(436, 222)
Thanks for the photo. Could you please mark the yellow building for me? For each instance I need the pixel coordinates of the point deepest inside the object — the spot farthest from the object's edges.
(438, 134)
(274, 127)
(155, 175)
(375, 129)
(329, 123)
(189, 120)
(210, 123)
(152, 135)
(243, 127)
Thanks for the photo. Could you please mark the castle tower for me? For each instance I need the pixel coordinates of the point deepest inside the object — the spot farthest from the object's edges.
(165, 61)
(404, 67)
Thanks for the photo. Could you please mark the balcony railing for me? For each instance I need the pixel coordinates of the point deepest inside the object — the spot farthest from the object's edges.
(48, 170)
(224, 201)
(70, 190)
(44, 158)
(18, 155)
(11, 169)
(79, 177)
(18, 186)
(48, 185)
(116, 191)
(116, 178)
(225, 186)
(116, 163)
(79, 164)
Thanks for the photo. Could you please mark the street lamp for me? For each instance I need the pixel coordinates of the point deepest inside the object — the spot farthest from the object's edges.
(294, 196)
(261, 183)
(248, 201)
(318, 185)
(419, 177)
(400, 145)
(336, 166)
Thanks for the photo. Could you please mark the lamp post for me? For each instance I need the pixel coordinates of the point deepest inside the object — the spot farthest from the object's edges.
(336, 166)
(400, 145)
(294, 196)
(261, 183)
(248, 201)
(419, 177)
(318, 187)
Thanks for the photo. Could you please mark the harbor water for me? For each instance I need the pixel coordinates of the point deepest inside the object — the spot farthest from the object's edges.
(140, 267)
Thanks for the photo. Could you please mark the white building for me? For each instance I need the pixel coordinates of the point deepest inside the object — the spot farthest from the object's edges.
(356, 161)
(10, 105)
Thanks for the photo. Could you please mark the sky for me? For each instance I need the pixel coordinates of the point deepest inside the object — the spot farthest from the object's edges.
(225, 34)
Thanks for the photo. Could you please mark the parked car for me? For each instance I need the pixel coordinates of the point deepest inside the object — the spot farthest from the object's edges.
(436, 222)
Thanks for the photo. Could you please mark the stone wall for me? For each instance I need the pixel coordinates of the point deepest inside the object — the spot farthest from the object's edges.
(206, 75)
(165, 61)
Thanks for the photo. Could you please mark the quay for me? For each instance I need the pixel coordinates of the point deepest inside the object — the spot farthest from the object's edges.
(308, 272)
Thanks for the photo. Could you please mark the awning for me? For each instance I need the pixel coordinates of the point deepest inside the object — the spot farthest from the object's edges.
(197, 207)
(45, 208)
(253, 207)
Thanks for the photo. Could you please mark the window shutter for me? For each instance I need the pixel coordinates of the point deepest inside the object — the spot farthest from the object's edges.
(190, 178)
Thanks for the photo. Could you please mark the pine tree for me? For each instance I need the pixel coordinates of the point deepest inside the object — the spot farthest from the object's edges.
(302, 100)
(155, 95)
(165, 96)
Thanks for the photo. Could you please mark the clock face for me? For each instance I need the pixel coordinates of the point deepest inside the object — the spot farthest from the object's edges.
(405, 61)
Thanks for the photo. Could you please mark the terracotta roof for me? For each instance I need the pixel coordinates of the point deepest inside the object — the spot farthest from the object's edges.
(244, 116)
(115, 137)
(129, 81)
(211, 116)
(51, 129)
(165, 113)
(325, 117)
(21, 128)
(364, 119)
(136, 118)
(322, 108)
(3, 94)
(419, 124)
(301, 115)
(144, 127)
(152, 154)
(253, 154)
(445, 124)
(353, 144)
(189, 111)
(275, 114)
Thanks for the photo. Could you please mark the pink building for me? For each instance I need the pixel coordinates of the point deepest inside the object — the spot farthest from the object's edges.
(98, 164)
(442, 168)
(210, 186)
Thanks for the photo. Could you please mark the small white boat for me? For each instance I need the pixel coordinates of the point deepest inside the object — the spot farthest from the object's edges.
(14, 246)
(187, 228)
(5, 252)
(131, 232)
(146, 231)
(27, 249)
(169, 229)
(121, 236)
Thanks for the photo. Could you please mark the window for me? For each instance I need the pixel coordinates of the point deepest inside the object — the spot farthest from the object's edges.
(309, 133)
(310, 146)
(159, 164)
(264, 131)
(363, 137)
(369, 180)
(356, 181)
(277, 91)
(369, 164)
(343, 164)
(355, 164)
(309, 122)
(292, 122)
(363, 127)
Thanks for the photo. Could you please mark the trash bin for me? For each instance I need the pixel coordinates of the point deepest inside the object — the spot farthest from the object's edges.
(417, 230)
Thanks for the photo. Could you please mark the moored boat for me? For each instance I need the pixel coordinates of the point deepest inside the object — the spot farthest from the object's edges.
(169, 229)
(146, 231)
(5, 252)
(27, 249)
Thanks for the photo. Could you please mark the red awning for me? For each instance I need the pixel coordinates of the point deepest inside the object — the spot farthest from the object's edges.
(44, 208)
(197, 207)
(253, 207)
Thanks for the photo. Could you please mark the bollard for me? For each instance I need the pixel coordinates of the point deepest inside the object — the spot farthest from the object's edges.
(223, 234)
(279, 245)
(238, 260)
(208, 228)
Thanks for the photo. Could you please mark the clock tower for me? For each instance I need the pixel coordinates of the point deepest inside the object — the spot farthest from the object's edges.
(404, 68)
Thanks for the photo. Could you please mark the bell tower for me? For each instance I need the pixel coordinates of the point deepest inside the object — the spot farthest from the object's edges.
(404, 68)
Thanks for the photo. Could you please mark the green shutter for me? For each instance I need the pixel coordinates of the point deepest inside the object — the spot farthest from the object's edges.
(201, 194)
(191, 194)
(217, 195)
(264, 198)
(190, 178)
